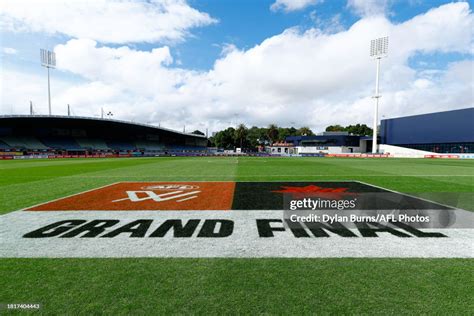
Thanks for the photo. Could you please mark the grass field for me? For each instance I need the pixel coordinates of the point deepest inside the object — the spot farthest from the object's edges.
(212, 286)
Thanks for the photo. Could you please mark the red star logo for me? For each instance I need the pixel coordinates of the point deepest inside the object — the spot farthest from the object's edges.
(314, 190)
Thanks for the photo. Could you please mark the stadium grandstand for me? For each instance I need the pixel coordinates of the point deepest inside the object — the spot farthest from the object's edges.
(439, 132)
(448, 134)
(66, 136)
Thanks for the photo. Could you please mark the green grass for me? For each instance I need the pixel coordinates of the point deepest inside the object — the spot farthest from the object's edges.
(25, 183)
(241, 286)
(237, 286)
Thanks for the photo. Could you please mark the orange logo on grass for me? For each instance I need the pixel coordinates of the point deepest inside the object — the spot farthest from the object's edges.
(180, 193)
(128, 196)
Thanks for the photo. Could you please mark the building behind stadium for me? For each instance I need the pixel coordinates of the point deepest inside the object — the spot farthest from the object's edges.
(449, 132)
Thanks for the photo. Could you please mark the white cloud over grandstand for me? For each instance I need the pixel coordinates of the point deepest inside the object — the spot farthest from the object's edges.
(308, 77)
(18, 88)
(292, 5)
(107, 21)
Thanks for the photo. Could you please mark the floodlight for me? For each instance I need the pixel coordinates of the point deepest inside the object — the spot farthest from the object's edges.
(48, 60)
(379, 47)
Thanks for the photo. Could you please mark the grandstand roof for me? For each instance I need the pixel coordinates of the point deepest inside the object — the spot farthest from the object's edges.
(92, 119)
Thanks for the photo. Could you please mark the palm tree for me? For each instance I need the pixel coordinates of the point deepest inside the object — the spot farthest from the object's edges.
(241, 134)
(305, 131)
(272, 133)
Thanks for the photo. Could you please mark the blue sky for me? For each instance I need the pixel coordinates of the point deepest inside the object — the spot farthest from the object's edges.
(246, 23)
(243, 23)
(244, 37)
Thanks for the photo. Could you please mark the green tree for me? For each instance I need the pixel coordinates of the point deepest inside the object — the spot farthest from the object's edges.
(305, 131)
(256, 136)
(225, 138)
(283, 133)
(240, 135)
(335, 128)
(272, 133)
(359, 129)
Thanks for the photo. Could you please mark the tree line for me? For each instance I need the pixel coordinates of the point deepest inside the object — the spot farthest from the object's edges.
(358, 129)
(253, 137)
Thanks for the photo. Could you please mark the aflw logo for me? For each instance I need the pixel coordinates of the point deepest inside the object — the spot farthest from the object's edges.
(178, 192)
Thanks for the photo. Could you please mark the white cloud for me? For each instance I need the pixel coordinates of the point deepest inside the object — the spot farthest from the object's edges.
(451, 90)
(330, 25)
(106, 21)
(9, 51)
(422, 83)
(140, 71)
(18, 88)
(292, 5)
(313, 78)
(365, 8)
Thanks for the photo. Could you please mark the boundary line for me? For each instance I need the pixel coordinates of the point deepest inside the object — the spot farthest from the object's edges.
(408, 195)
(68, 196)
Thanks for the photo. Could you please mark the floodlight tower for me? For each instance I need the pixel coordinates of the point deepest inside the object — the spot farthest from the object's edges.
(48, 60)
(378, 49)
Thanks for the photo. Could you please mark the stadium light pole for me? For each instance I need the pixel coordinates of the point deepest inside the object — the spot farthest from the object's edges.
(48, 60)
(378, 50)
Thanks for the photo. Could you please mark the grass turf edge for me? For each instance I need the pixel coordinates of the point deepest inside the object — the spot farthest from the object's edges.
(270, 285)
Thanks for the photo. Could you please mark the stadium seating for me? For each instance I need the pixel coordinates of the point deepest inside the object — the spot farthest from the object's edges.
(3, 145)
(92, 143)
(186, 148)
(120, 145)
(148, 145)
(64, 143)
(23, 142)
(81, 135)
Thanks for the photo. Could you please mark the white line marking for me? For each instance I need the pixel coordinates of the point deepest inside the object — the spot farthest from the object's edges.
(405, 194)
(189, 198)
(68, 196)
